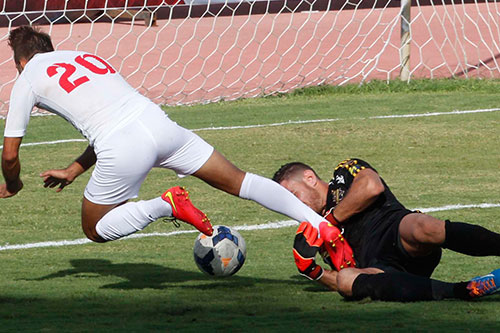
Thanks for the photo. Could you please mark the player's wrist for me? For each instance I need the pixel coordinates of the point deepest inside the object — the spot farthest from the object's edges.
(335, 218)
(74, 170)
(329, 279)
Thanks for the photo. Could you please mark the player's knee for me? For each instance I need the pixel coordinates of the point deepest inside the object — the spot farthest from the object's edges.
(418, 229)
(345, 279)
(429, 231)
(92, 234)
(95, 238)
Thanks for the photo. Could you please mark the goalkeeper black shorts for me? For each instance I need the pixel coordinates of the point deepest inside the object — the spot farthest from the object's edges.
(382, 248)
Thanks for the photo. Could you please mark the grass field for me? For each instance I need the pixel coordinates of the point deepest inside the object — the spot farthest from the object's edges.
(152, 283)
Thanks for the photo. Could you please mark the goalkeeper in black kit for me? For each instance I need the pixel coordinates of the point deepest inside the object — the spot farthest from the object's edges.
(377, 248)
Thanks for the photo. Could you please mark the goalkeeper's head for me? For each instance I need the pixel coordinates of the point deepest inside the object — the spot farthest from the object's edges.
(304, 183)
(291, 170)
(27, 41)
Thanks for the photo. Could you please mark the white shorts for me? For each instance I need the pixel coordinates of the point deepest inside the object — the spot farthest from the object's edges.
(125, 156)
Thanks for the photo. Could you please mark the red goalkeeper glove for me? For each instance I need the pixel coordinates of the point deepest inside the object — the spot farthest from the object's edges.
(305, 248)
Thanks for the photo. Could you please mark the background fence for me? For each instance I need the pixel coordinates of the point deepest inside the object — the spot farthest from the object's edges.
(198, 52)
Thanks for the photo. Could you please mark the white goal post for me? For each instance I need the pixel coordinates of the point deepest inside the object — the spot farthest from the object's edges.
(199, 51)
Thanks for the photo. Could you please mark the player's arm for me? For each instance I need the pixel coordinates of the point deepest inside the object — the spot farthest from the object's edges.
(365, 189)
(329, 280)
(11, 167)
(21, 103)
(64, 177)
(86, 160)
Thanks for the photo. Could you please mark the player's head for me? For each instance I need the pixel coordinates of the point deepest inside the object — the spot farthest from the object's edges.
(291, 170)
(304, 183)
(27, 41)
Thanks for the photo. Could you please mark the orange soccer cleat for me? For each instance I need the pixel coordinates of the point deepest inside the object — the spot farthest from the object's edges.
(184, 210)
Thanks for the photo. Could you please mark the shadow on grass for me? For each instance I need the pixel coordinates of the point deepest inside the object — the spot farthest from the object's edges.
(148, 276)
(156, 298)
(96, 313)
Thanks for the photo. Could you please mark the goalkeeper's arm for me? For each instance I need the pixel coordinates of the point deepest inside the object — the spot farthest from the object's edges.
(329, 280)
(365, 189)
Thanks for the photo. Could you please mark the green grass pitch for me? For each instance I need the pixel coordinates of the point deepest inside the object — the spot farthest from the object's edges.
(153, 284)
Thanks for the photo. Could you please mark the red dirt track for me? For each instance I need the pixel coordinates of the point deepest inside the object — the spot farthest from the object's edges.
(193, 60)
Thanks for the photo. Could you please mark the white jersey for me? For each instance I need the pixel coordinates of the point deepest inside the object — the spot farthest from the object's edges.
(81, 87)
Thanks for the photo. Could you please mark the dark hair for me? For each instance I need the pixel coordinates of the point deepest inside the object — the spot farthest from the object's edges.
(27, 41)
(291, 169)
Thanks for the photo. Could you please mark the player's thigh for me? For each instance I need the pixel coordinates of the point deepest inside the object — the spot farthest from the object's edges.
(221, 174)
(186, 153)
(420, 233)
(179, 149)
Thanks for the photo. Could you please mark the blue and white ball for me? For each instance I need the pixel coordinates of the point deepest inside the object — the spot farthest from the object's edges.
(221, 254)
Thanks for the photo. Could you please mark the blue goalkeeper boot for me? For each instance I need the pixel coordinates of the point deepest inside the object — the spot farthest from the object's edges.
(484, 285)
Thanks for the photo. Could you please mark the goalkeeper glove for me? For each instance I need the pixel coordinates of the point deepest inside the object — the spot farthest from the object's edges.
(305, 247)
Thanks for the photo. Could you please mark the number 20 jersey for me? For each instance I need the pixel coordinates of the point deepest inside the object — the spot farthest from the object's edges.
(80, 87)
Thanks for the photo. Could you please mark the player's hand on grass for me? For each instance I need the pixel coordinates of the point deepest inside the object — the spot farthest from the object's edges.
(9, 191)
(59, 177)
(305, 248)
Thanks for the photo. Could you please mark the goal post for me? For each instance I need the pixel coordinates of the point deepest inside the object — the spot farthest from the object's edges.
(405, 39)
(199, 51)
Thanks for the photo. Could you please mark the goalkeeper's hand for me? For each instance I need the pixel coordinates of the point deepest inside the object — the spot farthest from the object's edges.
(305, 247)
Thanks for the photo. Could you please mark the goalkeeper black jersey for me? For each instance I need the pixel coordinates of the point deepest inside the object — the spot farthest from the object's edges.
(365, 228)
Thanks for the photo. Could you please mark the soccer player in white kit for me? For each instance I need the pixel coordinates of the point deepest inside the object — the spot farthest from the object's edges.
(128, 135)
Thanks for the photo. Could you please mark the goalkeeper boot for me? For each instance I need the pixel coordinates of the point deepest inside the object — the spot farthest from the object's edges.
(339, 251)
(484, 285)
(184, 210)
(330, 233)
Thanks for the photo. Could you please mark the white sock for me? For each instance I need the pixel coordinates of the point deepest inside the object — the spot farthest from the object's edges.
(273, 196)
(131, 217)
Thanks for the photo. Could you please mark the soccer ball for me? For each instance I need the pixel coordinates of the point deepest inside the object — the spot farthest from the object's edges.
(221, 254)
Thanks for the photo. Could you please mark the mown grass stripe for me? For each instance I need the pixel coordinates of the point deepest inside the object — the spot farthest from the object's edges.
(263, 226)
(291, 122)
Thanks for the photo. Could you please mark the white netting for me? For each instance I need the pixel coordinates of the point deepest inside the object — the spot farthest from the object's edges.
(256, 48)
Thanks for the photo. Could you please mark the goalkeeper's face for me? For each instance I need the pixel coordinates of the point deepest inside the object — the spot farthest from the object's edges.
(308, 191)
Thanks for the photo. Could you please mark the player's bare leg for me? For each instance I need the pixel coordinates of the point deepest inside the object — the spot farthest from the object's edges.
(91, 214)
(223, 175)
(346, 277)
(421, 234)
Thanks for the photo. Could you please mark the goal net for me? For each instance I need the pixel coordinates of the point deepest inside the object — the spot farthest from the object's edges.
(198, 51)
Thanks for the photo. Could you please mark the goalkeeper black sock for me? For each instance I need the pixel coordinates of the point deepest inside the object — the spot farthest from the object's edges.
(471, 239)
(405, 287)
